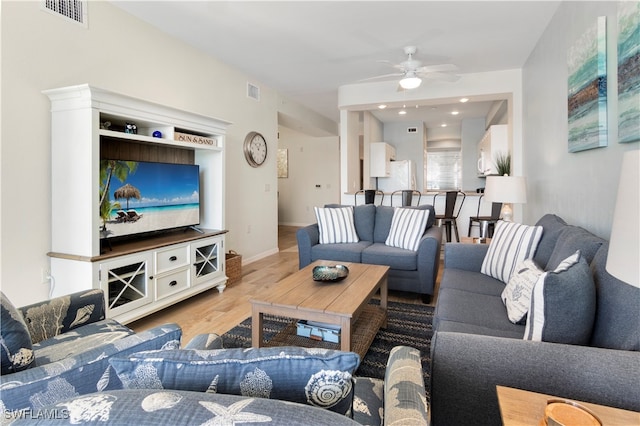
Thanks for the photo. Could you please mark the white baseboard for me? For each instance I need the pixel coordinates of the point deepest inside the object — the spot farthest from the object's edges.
(293, 224)
(259, 256)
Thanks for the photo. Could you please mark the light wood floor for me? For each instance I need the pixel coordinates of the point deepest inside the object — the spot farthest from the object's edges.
(214, 312)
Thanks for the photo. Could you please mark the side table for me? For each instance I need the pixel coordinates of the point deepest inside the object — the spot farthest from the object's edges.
(519, 407)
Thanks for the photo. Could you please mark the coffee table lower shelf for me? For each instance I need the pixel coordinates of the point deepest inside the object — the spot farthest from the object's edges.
(363, 332)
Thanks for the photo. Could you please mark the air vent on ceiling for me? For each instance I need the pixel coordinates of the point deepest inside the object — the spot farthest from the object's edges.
(75, 10)
(253, 91)
(412, 129)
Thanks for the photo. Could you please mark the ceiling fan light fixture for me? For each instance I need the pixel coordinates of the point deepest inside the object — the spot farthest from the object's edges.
(410, 82)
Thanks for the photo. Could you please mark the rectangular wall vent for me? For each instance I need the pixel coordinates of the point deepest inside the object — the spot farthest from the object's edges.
(75, 10)
(253, 91)
(412, 129)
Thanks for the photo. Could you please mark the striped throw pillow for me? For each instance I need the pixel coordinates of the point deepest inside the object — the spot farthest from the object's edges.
(511, 244)
(336, 225)
(407, 227)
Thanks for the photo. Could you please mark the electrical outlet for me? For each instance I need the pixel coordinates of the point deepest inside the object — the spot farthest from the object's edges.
(45, 275)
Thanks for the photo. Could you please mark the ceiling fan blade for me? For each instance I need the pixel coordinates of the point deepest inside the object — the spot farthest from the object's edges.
(391, 64)
(440, 76)
(378, 77)
(438, 68)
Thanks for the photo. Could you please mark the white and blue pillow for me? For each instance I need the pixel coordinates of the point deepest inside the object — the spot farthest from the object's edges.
(511, 244)
(407, 228)
(516, 295)
(336, 225)
(318, 377)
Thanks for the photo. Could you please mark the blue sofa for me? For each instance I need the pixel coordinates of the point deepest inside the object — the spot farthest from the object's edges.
(411, 271)
(204, 385)
(475, 347)
(60, 348)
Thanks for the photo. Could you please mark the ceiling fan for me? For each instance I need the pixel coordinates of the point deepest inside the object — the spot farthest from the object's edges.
(412, 71)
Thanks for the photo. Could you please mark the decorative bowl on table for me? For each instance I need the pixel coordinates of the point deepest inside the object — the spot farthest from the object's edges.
(330, 273)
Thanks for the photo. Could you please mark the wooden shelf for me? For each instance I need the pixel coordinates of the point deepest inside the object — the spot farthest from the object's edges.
(364, 331)
(139, 244)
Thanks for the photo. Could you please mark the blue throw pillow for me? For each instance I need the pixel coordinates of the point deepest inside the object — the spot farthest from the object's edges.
(318, 377)
(563, 304)
(15, 341)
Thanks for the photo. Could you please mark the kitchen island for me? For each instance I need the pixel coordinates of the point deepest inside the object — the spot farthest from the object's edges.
(469, 208)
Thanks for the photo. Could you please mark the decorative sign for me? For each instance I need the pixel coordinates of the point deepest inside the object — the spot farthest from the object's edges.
(195, 139)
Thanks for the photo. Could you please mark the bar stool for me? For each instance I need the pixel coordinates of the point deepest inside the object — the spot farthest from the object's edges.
(450, 215)
(486, 224)
(407, 196)
(369, 196)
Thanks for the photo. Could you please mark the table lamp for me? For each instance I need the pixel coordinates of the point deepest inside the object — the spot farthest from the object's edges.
(506, 190)
(624, 246)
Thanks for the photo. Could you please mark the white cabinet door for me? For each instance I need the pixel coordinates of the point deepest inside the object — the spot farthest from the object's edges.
(126, 283)
(381, 155)
(207, 259)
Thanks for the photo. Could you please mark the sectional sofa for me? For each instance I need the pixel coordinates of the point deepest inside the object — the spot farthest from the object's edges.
(410, 270)
(61, 347)
(585, 343)
(63, 362)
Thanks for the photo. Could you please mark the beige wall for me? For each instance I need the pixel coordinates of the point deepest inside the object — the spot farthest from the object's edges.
(312, 161)
(119, 53)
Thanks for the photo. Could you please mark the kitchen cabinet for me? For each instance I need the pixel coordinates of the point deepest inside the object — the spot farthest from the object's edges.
(494, 142)
(382, 154)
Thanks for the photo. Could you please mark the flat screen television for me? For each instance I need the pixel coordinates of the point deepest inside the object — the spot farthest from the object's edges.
(138, 197)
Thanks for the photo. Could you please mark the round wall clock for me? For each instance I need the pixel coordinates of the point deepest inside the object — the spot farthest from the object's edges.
(255, 149)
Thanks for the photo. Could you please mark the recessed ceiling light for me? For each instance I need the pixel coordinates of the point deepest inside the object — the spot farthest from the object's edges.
(463, 100)
(454, 113)
(382, 106)
(402, 112)
(443, 125)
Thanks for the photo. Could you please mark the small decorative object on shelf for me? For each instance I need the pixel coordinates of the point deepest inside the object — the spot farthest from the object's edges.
(157, 134)
(195, 139)
(105, 125)
(330, 273)
(131, 128)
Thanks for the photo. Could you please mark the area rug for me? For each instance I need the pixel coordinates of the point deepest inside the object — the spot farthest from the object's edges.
(407, 324)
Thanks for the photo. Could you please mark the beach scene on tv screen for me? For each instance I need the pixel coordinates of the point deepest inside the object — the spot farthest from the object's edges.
(138, 197)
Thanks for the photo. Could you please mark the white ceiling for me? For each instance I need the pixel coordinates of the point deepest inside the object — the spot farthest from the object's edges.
(307, 49)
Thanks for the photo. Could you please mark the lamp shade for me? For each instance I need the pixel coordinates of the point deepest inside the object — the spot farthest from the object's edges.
(623, 260)
(506, 189)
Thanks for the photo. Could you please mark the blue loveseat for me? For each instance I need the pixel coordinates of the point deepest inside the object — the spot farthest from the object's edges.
(60, 348)
(411, 271)
(475, 347)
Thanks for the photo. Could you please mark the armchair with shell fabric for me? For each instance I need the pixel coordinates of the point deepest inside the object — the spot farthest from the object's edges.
(61, 347)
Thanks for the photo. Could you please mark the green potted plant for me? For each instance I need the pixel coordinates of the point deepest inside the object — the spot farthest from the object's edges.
(503, 164)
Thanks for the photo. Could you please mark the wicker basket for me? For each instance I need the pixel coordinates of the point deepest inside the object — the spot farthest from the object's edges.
(234, 267)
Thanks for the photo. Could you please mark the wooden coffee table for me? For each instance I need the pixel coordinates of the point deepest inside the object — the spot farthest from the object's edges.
(344, 303)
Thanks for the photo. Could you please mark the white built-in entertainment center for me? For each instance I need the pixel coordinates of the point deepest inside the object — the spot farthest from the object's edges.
(149, 272)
